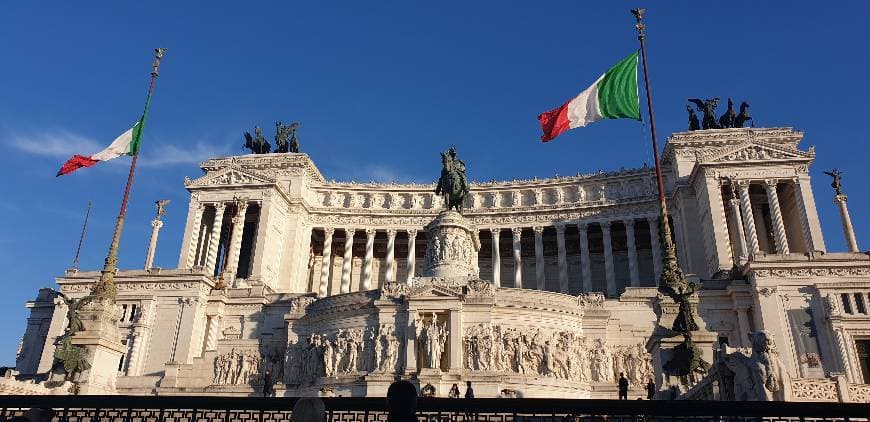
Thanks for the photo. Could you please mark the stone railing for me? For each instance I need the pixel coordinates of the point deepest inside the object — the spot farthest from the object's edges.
(831, 390)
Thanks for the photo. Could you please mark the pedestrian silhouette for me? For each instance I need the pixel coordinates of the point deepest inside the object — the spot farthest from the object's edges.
(623, 387)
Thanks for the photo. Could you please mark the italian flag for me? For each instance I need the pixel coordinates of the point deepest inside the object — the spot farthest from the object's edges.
(125, 144)
(612, 96)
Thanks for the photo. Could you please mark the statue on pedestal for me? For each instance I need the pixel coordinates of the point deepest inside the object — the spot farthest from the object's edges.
(453, 183)
(285, 137)
(708, 107)
(257, 143)
(837, 182)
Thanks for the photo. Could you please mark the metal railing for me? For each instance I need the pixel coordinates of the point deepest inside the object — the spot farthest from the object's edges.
(253, 409)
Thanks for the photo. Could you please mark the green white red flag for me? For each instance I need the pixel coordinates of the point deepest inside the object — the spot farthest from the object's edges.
(125, 144)
(614, 95)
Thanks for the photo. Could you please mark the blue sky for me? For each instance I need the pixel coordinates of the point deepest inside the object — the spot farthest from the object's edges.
(380, 88)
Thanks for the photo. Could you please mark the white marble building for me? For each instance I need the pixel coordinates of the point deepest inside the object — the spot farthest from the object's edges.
(325, 286)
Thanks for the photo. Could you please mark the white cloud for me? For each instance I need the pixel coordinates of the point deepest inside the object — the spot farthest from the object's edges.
(57, 144)
(62, 144)
(167, 154)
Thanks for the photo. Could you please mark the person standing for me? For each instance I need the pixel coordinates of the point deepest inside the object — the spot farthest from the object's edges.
(454, 392)
(650, 390)
(469, 392)
(402, 402)
(267, 384)
(623, 387)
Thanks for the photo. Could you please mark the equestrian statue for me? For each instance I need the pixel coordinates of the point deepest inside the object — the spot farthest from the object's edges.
(257, 143)
(453, 184)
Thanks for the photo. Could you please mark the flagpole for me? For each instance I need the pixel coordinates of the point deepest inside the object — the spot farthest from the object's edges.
(671, 273)
(105, 288)
(81, 238)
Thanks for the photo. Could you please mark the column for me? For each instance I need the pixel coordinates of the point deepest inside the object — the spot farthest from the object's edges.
(236, 239)
(608, 259)
(585, 263)
(410, 365)
(347, 261)
(214, 240)
(367, 261)
(455, 338)
(412, 256)
(743, 328)
(540, 275)
(496, 257)
(152, 244)
(848, 231)
(563, 258)
(518, 259)
(844, 354)
(776, 216)
(748, 219)
(214, 324)
(740, 236)
(326, 263)
(195, 235)
(135, 352)
(656, 246)
(806, 206)
(632, 252)
(391, 256)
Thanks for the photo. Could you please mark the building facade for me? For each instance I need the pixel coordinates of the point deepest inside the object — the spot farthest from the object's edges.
(323, 283)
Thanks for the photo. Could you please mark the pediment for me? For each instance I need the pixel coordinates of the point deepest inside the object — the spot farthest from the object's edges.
(755, 151)
(230, 176)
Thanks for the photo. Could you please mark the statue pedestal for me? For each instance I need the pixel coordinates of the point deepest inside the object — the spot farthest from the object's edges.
(664, 345)
(452, 247)
(102, 344)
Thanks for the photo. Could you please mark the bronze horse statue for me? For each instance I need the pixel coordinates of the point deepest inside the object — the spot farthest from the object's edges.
(743, 116)
(452, 184)
(727, 120)
(257, 143)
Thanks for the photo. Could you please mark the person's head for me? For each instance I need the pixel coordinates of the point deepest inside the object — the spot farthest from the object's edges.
(402, 402)
(309, 409)
(621, 375)
(39, 415)
(468, 383)
(455, 386)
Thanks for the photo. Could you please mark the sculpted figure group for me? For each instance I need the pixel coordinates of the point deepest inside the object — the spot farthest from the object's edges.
(730, 119)
(760, 376)
(345, 352)
(237, 368)
(448, 248)
(562, 354)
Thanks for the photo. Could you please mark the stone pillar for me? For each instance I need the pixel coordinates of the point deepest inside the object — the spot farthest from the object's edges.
(212, 333)
(743, 328)
(410, 343)
(848, 231)
(236, 239)
(656, 246)
(563, 258)
(326, 262)
(367, 261)
(412, 256)
(776, 216)
(455, 338)
(152, 244)
(195, 235)
(347, 262)
(518, 259)
(496, 257)
(844, 354)
(632, 252)
(215, 238)
(806, 205)
(585, 263)
(740, 237)
(540, 275)
(608, 260)
(391, 256)
(101, 342)
(748, 218)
